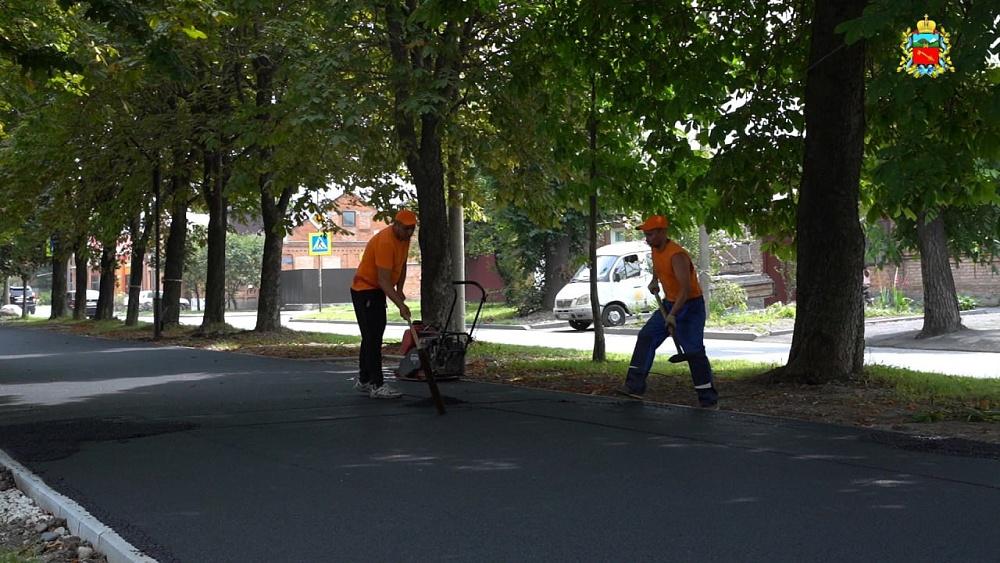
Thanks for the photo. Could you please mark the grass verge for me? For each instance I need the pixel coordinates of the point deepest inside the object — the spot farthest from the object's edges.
(13, 557)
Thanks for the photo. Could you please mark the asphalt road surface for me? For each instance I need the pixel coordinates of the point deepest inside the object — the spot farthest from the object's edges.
(195, 455)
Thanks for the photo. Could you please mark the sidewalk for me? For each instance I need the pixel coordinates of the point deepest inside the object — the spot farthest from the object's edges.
(981, 333)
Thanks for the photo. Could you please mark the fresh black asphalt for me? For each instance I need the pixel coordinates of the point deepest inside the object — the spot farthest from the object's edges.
(207, 456)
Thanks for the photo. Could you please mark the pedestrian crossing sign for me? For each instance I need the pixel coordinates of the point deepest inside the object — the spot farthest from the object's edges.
(319, 244)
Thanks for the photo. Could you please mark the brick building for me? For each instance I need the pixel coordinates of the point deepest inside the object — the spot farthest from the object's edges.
(979, 281)
(358, 220)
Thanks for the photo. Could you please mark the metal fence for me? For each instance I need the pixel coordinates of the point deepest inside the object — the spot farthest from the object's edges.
(301, 287)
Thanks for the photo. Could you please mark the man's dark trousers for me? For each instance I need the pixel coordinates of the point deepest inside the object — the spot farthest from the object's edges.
(369, 308)
(691, 336)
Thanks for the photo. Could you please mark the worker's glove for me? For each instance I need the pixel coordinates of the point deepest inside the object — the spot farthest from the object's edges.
(671, 324)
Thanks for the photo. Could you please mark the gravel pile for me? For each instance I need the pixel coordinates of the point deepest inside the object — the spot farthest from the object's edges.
(30, 532)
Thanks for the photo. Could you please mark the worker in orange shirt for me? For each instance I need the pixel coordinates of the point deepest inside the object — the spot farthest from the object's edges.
(380, 275)
(685, 320)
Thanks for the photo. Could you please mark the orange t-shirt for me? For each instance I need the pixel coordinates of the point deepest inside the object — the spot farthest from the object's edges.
(665, 271)
(386, 251)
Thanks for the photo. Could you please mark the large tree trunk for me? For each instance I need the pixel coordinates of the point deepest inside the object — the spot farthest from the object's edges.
(436, 290)
(269, 299)
(106, 298)
(173, 274)
(421, 146)
(941, 313)
(60, 270)
(215, 282)
(557, 255)
(828, 343)
(272, 212)
(82, 264)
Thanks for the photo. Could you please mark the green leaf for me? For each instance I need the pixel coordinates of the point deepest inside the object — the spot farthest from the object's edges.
(193, 32)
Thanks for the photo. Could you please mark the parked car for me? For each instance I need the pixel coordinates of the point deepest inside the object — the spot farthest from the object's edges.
(624, 270)
(19, 294)
(146, 301)
(91, 304)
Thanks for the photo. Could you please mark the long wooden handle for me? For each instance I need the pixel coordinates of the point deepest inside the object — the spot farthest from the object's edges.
(663, 311)
(425, 365)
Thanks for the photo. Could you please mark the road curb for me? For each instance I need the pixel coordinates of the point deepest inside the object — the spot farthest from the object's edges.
(78, 521)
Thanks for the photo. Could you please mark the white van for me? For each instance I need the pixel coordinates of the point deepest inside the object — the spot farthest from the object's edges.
(624, 270)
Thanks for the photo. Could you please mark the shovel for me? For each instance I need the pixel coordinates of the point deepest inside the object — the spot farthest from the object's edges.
(425, 365)
(680, 356)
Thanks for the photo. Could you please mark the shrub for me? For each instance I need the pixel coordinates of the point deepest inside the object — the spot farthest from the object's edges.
(780, 310)
(727, 297)
(967, 302)
(893, 300)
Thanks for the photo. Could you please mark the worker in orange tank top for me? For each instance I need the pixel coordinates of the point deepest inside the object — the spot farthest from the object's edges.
(685, 320)
(380, 275)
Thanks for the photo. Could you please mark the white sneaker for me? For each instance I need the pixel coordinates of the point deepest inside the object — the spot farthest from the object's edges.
(365, 388)
(384, 392)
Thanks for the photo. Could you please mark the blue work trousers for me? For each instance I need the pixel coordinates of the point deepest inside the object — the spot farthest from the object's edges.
(691, 337)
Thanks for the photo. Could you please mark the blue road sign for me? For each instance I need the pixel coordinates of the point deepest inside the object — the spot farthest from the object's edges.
(319, 244)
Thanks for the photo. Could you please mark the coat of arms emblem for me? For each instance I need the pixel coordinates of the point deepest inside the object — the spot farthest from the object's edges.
(925, 51)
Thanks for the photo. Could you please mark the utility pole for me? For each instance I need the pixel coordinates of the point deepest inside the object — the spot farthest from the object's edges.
(704, 265)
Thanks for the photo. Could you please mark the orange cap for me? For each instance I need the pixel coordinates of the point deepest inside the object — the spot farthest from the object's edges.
(406, 217)
(654, 222)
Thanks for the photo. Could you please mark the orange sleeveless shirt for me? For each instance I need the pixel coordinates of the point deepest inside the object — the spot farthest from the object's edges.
(665, 271)
(385, 251)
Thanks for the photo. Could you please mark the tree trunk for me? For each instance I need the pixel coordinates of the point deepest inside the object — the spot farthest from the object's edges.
(139, 231)
(600, 353)
(215, 281)
(60, 270)
(941, 313)
(173, 273)
(421, 149)
(24, 297)
(828, 343)
(434, 237)
(557, 254)
(269, 298)
(80, 258)
(106, 298)
(273, 212)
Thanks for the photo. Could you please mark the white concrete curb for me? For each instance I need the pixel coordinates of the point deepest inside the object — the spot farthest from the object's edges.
(78, 521)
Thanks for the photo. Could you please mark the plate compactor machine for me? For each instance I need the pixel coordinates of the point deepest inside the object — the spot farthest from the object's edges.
(445, 349)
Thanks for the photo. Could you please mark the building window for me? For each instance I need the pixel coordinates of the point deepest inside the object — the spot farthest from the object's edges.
(287, 259)
(350, 218)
